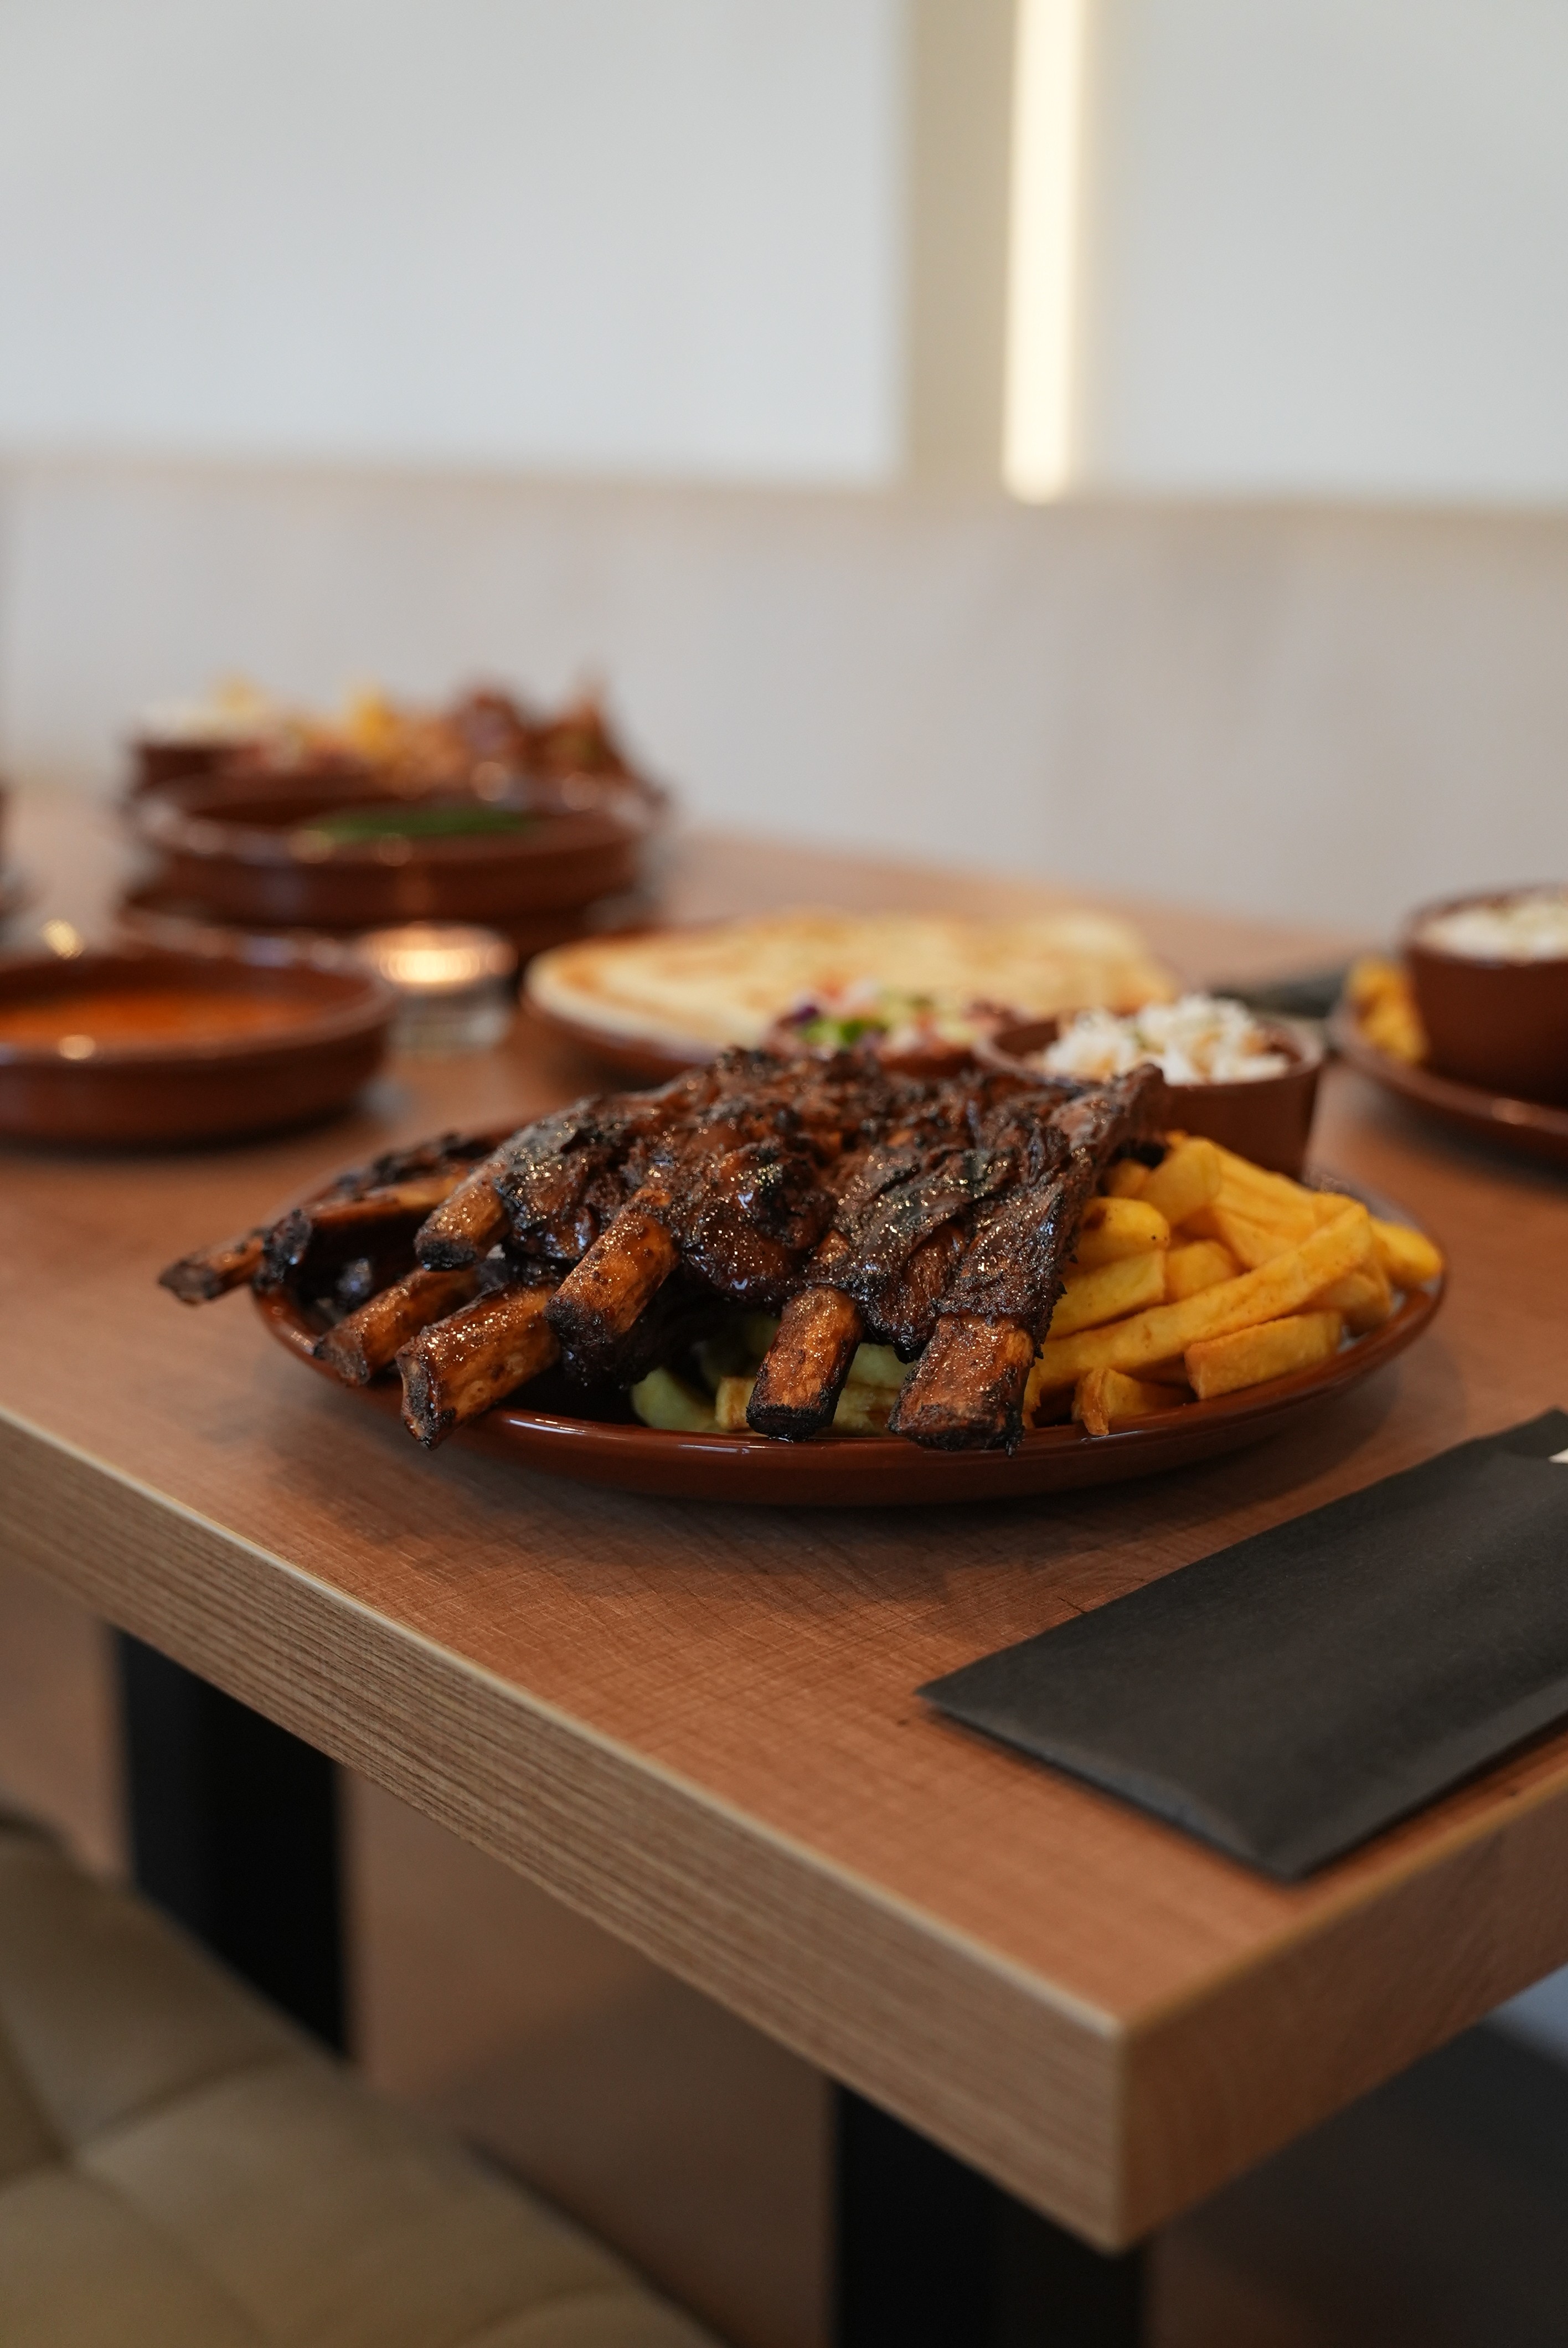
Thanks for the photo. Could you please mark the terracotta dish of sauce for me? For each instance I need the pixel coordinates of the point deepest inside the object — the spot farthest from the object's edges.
(152, 1048)
(81, 1021)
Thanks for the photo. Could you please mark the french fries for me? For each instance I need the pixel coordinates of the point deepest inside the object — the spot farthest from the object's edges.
(1104, 1398)
(1187, 1178)
(1272, 1349)
(1283, 1286)
(1380, 995)
(1198, 1264)
(1366, 1298)
(1118, 1227)
(1200, 1277)
(1407, 1257)
(1126, 1285)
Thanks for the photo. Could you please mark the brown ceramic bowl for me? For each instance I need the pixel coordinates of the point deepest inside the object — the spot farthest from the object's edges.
(156, 917)
(1502, 1026)
(181, 1048)
(1267, 1120)
(256, 854)
(1524, 1129)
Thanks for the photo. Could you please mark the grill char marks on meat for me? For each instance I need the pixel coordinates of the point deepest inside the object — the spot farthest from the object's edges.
(878, 1274)
(740, 1193)
(932, 1216)
(967, 1390)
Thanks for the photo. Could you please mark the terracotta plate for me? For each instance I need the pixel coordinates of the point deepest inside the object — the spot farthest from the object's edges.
(256, 855)
(883, 1470)
(1528, 1128)
(151, 916)
(285, 1043)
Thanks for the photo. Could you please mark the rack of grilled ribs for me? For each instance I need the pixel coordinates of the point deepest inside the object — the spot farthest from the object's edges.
(936, 1217)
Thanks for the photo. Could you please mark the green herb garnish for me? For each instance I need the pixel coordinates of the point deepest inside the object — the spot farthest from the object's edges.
(350, 823)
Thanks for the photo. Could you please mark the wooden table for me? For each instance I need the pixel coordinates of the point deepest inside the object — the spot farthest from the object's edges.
(698, 1727)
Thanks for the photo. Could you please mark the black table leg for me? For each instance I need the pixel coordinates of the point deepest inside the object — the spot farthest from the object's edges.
(234, 1833)
(931, 2255)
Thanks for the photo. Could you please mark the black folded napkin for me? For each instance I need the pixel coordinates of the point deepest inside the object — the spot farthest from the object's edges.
(1291, 1695)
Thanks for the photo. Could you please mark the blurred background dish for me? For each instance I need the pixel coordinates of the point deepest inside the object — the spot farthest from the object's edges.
(1489, 974)
(1265, 1116)
(252, 817)
(155, 1049)
(341, 853)
(1478, 1040)
(487, 739)
(667, 998)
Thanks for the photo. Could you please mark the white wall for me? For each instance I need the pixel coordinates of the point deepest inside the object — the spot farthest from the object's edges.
(1321, 245)
(1328, 715)
(656, 236)
(1324, 249)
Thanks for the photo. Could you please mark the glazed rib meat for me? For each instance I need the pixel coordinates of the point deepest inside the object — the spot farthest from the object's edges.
(933, 1216)
(967, 1388)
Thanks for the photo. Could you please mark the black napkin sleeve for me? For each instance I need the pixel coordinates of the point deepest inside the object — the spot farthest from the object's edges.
(1293, 1694)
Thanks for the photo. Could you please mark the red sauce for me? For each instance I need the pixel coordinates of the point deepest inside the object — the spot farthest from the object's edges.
(111, 1015)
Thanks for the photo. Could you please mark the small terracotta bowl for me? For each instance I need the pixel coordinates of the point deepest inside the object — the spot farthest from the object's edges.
(251, 854)
(1267, 1120)
(289, 1042)
(1502, 1026)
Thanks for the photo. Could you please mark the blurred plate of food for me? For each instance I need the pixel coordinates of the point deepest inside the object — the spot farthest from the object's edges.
(482, 736)
(815, 1282)
(1427, 1026)
(926, 986)
(253, 817)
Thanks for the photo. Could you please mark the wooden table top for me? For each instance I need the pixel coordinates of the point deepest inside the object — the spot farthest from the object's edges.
(698, 1725)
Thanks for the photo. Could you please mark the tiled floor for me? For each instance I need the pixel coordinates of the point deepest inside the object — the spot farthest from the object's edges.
(1432, 2216)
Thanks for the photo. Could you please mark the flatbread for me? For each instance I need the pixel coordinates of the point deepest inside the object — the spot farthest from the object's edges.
(727, 982)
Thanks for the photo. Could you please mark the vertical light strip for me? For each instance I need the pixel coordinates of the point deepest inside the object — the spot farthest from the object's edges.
(1042, 267)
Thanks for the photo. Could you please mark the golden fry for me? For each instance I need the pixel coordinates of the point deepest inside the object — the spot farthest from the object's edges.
(1105, 1398)
(1248, 1357)
(1201, 1263)
(1281, 1287)
(1118, 1227)
(1126, 1285)
(1251, 1243)
(1364, 1297)
(1187, 1178)
(1380, 994)
(1267, 1191)
(1126, 1179)
(1407, 1257)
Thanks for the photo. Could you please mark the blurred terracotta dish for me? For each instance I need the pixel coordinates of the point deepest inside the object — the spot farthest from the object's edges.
(137, 1048)
(158, 918)
(1265, 1117)
(1524, 1129)
(670, 998)
(340, 854)
(1489, 978)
